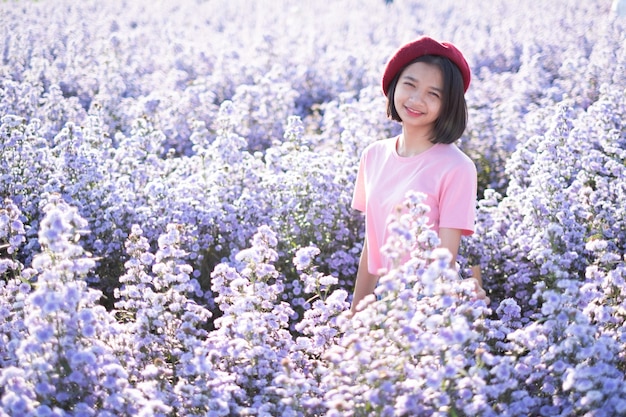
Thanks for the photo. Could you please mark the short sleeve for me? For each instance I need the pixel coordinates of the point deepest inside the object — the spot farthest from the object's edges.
(457, 204)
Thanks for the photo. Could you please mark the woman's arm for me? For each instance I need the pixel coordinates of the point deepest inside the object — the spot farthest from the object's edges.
(365, 281)
(451, 240)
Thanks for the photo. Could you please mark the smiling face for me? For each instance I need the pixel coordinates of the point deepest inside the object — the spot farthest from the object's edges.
(418, 95)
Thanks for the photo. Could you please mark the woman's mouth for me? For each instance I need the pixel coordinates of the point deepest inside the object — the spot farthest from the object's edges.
(413, 112)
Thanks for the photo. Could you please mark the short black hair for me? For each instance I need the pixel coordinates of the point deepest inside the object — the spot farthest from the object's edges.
(452, 120)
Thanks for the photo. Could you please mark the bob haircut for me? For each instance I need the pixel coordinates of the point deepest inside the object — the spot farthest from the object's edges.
(452, 120)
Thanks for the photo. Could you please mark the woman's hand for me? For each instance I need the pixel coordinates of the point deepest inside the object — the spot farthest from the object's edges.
(481, 294)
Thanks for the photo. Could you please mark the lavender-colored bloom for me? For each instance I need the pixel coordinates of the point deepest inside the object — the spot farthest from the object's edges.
(304, 257)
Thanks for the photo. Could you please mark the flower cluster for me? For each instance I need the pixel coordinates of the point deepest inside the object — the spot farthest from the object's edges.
(63, 359)
(252, 336)
(176, 231)
(164, 344)
(12, 236)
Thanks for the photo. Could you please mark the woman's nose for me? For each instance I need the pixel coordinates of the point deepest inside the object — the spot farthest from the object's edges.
(417, 96)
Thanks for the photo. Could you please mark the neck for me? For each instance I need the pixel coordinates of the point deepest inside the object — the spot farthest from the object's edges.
(413, 143)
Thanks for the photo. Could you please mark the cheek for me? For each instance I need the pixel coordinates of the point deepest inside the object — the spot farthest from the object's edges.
(433, 101)
(435, 105)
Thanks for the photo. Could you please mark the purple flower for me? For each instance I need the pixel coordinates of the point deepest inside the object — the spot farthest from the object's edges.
(304, 257)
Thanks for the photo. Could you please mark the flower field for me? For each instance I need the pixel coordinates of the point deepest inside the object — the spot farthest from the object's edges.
(176, 237)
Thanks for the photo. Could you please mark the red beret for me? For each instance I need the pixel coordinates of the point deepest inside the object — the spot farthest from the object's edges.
(420, 47)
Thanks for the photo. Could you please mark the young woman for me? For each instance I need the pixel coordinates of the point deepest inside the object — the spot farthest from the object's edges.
(424, 82)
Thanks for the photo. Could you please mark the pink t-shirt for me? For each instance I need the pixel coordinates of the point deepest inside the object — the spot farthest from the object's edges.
(444, 173)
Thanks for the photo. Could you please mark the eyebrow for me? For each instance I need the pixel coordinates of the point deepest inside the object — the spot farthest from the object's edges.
(415, 80)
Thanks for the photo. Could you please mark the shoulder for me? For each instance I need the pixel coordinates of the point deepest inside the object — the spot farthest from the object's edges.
(381, 144)
(453, 152)
(378, 147)
(455, 157)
